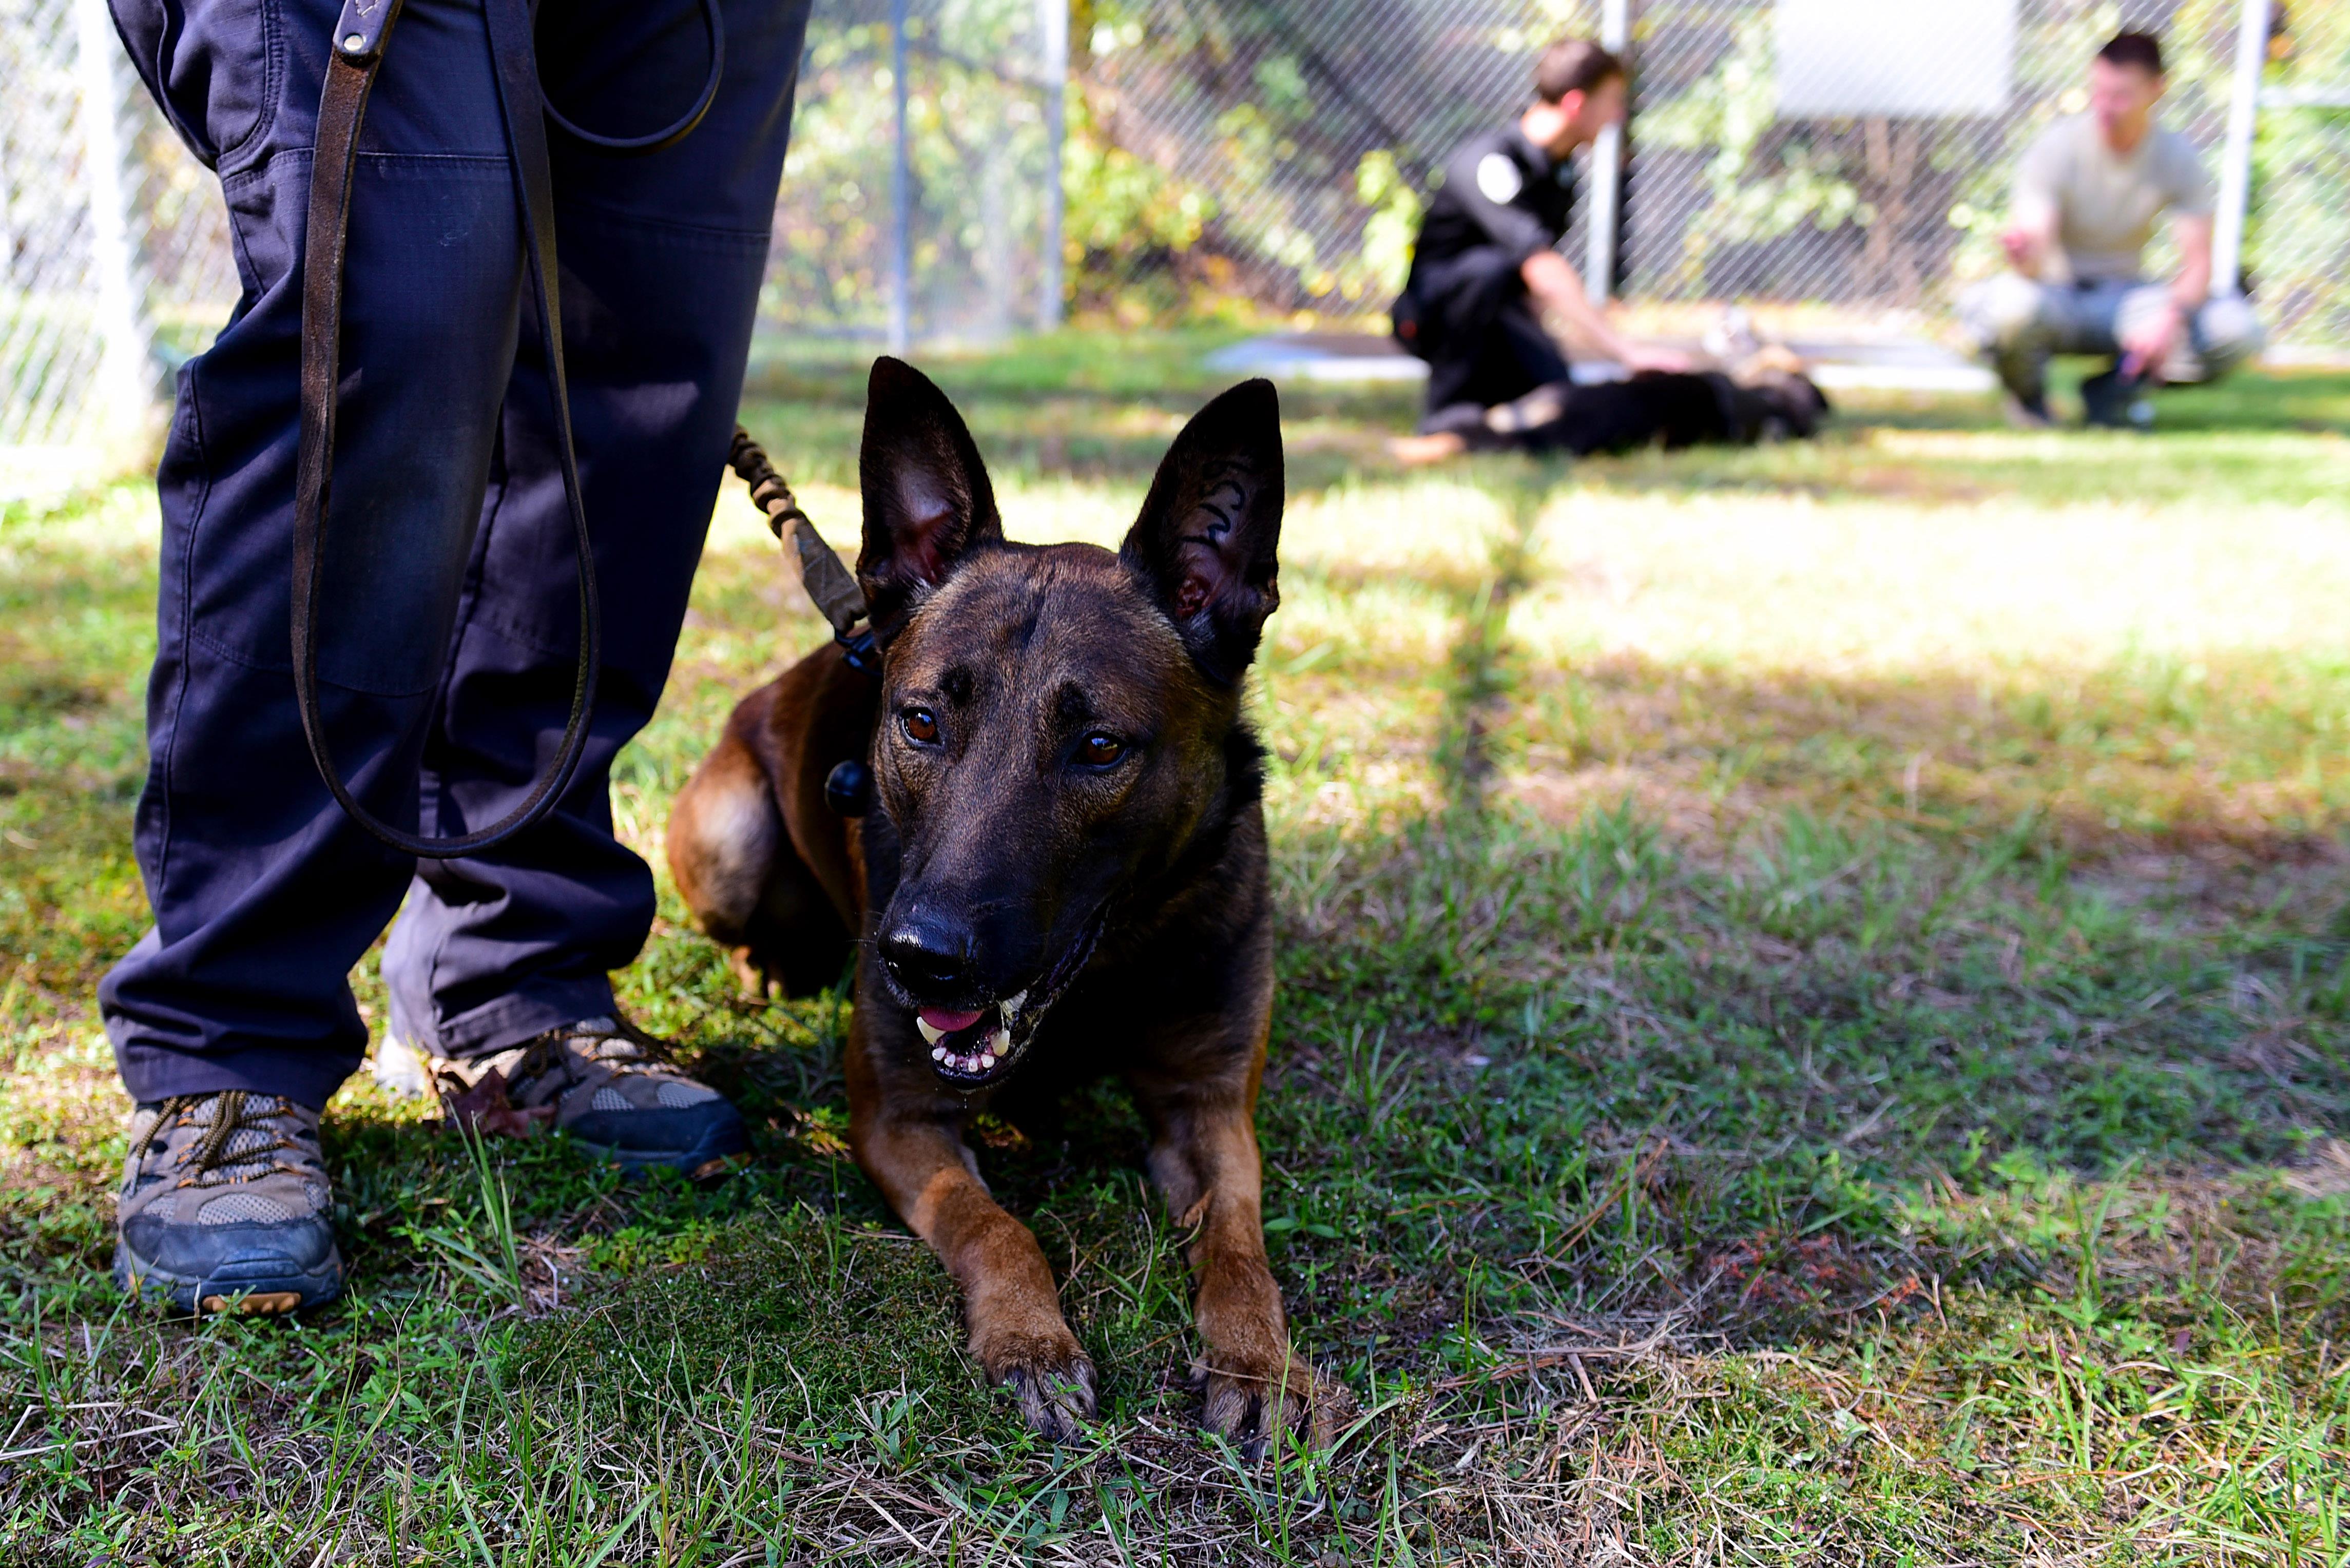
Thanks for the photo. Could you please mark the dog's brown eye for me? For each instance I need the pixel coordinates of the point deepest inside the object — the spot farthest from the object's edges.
(922, 726)
(1098, 749)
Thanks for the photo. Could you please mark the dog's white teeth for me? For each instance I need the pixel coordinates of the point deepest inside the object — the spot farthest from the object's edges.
(929, 1034)
(1013, 1004)
(976, 1063)
(1003, 1043)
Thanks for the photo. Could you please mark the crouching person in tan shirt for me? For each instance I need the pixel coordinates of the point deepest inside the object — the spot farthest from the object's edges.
(2087, 197)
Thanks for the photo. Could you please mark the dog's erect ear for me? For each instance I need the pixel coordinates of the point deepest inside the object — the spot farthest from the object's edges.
(927, 499)
(1210, 527)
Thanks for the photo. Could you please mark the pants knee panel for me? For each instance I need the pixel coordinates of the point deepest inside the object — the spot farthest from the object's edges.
(2230, 332)
(2004, 312)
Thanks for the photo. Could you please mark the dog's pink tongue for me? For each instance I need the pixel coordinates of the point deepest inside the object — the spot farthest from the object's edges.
(947, 1023)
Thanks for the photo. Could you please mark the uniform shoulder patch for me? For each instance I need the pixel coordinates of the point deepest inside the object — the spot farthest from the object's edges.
(1498, 178)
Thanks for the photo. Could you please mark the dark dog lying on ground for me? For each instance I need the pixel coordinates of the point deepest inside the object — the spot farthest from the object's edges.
(1764, 401)
(1063, 873)
(1657, 408)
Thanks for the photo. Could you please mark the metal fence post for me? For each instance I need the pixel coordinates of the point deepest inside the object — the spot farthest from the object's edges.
(125, 390)
(1052, 44)
(1607, 169)
(2236, 158)
(901, 195)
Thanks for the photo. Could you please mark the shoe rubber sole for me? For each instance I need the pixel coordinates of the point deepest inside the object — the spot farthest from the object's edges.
(251, 1291)
(708, 1156)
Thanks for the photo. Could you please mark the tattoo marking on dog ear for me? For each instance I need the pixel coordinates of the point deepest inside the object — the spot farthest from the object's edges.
(1231, 476)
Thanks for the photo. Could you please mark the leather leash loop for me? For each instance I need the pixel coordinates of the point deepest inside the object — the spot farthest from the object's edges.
(677, 131)
(359, 32)
(361, 36)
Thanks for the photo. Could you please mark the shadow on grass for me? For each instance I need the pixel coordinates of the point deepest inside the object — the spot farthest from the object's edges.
(1704, 1085)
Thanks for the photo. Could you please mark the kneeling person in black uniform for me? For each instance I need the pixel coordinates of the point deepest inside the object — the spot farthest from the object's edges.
(1486, 262)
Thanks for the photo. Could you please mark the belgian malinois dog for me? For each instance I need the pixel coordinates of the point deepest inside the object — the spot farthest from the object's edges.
(1062, 873)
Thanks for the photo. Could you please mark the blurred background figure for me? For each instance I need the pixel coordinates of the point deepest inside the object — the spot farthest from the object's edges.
(2087, 196)
(1486, 267)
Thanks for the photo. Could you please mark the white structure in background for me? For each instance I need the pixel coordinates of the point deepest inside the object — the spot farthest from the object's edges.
(2236, 159)
(1836, 58)
(122, 392)
(1607, 169)
(1853, 57)
(1052, 67)
(78, 376)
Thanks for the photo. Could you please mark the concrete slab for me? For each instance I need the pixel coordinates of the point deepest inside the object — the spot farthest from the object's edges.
(1319, 356)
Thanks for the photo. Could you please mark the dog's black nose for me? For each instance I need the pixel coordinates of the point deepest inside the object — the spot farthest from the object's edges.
(927, 956)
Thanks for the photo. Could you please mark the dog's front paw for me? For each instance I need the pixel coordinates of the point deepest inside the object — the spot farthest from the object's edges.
(1253, 1395)
(1053, 1380)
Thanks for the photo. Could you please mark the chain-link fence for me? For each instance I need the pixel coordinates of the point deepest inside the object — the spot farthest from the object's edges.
(1235, 158)
(2297, 234)
(114, 260)
(1806, 152)
(971, 173)
(1309, 132)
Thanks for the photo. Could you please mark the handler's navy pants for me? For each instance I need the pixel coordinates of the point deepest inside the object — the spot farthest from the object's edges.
(450, 619)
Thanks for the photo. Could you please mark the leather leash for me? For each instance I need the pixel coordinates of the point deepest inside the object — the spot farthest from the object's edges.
(825, 580)
(355, 59)
(677, 131)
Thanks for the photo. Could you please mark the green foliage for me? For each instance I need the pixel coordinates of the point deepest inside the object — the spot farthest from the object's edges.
(1300, 180)
(1728, 115)
(977, 157)
(2298, 229)
(1128, 229)
(1388, 235)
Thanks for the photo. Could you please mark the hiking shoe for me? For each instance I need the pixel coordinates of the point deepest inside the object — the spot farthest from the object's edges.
(608, 1084)
(225, 1206)
(2111, 401)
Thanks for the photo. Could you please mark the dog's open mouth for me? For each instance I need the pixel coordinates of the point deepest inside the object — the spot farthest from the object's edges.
(974, 1045)
(970, 1045)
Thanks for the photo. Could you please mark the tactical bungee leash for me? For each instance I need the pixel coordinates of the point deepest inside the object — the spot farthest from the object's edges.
(849, 788)
(838, 597)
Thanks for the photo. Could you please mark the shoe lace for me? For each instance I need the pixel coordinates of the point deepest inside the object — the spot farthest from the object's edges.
(622, 1047)
(236, 1111)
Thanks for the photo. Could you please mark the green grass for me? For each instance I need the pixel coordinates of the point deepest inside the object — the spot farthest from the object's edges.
(1812, 1029)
